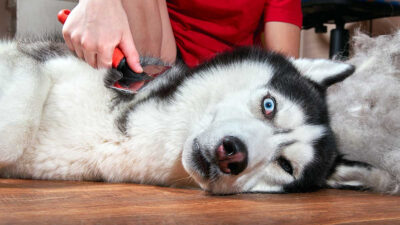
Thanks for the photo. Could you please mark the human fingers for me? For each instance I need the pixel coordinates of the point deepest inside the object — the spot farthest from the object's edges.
(90, 58)
(67, 38)
(78, 51)
(76, 43)
(104, 56)
(127, 46)
(90, 49)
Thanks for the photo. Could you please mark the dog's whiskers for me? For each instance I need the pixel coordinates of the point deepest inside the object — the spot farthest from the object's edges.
(213, 176)
(188, 178)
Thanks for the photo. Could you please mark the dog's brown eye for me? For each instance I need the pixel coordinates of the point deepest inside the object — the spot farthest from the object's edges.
(285, 165)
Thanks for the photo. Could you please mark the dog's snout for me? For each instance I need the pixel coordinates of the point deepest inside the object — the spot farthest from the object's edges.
(232, 155)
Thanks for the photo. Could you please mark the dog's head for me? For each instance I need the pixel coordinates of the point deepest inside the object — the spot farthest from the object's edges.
(264, 124)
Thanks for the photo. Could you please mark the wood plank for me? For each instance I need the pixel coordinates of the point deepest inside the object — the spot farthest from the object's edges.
(66, 202)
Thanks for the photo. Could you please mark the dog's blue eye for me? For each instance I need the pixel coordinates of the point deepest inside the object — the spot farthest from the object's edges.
(269, 105)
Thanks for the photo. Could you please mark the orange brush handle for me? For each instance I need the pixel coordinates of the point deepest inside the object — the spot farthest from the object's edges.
(117, 55)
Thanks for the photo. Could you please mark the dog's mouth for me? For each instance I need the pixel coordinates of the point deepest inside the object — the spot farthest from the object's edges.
(200, 163)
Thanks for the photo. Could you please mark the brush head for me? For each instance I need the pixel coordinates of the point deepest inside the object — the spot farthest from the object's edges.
(131, 81)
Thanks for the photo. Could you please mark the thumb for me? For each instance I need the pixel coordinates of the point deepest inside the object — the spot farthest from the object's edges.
(127, 46)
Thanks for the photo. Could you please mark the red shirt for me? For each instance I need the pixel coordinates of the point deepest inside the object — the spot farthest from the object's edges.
(203, 28)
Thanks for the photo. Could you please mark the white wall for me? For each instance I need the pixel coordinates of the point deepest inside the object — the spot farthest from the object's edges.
(40, 16)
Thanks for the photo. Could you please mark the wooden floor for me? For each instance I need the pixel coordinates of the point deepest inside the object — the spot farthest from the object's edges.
(61, 202)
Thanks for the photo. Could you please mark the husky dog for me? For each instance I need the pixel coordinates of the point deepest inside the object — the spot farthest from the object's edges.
(246, 121)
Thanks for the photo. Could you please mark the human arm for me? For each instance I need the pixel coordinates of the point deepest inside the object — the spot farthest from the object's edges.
(282, 37)
(95, 28)
(282, 23)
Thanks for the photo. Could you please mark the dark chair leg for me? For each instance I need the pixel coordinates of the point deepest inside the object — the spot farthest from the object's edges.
(339, 46)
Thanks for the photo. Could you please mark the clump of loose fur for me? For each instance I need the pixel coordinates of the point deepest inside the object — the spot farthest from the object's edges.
(365, 109)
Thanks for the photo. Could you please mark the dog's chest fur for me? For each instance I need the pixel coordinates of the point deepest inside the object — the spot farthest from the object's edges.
(78, 137)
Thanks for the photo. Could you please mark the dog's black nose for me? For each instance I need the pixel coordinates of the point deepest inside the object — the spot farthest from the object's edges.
(232, 155)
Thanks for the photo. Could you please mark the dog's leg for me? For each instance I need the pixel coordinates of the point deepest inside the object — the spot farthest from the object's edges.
(23, 91)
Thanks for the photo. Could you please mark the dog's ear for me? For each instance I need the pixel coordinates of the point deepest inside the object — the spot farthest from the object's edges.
(322, 71)
(355, 175)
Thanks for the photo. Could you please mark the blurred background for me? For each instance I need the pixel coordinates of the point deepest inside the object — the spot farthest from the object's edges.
(19, 17)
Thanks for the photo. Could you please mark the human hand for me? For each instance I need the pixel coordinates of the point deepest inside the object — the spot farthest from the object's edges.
(95, 28)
